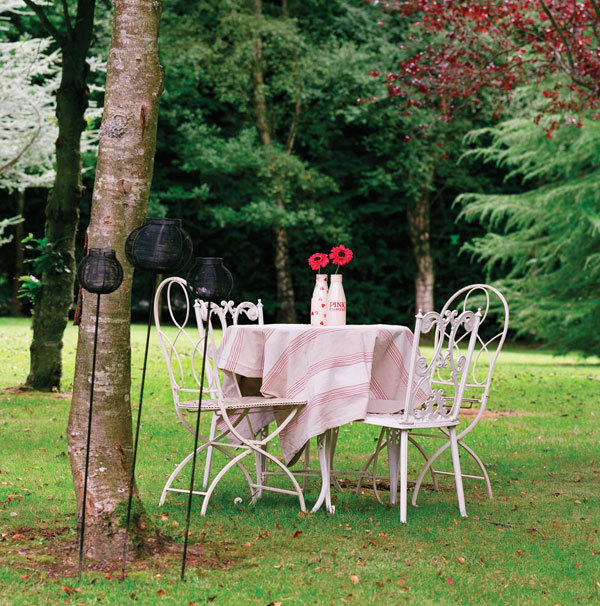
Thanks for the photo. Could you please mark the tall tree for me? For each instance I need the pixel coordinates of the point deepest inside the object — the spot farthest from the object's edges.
(459, 54)
(73, 37)
(544, 243)
(124, 171)
(28, 83)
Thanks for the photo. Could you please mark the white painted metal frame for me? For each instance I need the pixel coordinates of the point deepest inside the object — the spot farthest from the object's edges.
(440, 409)
(254, 313)
(487, 349)
(233, 412)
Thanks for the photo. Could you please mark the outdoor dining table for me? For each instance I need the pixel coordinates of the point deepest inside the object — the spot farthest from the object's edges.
(342, 372)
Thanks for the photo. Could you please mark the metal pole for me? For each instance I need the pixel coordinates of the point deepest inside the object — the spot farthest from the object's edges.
(189, 508)
(137, 433)
(87, 450)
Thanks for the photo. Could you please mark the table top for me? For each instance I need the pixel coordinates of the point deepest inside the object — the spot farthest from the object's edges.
(343, 372)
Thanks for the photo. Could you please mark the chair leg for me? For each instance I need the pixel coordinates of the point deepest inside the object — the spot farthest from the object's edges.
(457, 473)
(209, 452)
(334, 438)
(428, 465)
(403, 473)
(486, 477)
(422, 451)
(394, 438)
(306, 467)
(261, 465)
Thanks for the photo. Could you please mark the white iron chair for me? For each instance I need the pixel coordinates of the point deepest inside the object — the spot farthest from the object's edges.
(487, 349)
(254, 313)
(425, 407)
(183, 355)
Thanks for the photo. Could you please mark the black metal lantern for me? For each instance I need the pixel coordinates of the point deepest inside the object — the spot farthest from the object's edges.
(159, 245)
(211, 281)
(100, 273)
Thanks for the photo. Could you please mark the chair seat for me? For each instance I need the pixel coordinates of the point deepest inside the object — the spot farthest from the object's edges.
(242, 403)
(394, 421)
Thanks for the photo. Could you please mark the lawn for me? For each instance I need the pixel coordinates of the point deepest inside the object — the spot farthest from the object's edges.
(536, 542)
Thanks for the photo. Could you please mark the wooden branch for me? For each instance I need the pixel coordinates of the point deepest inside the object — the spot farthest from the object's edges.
(27, 145)
(65, 7)
(48, 26)
(289, 146)
(560, 34)
(285, 9)
(84, 24)
(596, 8)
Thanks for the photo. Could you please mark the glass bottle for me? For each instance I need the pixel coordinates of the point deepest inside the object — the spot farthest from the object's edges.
(318, 303)
(336, 309)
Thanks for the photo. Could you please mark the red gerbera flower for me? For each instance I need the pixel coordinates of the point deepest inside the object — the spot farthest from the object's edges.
(317, 261)
(340, 255)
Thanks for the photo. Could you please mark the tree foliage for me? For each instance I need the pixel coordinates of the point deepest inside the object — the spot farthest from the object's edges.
(544, 242)
(497, 46)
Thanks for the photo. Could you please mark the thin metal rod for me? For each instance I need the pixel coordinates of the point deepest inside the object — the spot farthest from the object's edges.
(189, 508)
(137, 432)
(87, 449)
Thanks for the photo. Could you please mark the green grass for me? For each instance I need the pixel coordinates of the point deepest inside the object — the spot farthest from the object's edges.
(536, 542)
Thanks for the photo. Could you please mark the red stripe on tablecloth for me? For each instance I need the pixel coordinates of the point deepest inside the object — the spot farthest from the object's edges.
(234, 352)
(327, 364)
(297, 343)
(338, 393)
(398, 360)
(377, 390)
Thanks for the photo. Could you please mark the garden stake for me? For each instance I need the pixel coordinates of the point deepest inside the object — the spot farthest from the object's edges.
(189, 509)
(137, 432)
(87, 448)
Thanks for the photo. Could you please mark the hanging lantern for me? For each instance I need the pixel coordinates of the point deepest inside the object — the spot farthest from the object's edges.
(210, 280)
(159, 245)
(100, 272)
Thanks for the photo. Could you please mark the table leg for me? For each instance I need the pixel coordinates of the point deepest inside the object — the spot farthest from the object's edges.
(324, 444)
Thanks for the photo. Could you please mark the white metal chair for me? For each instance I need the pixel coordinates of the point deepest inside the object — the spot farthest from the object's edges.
(426, 407)
(253, 313)
(182, 345)
(491, 337)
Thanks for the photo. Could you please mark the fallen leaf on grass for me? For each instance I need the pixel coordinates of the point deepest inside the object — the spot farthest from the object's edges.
(297, 534)
(160, 592)
(401, 581)
(461, 560)
(68, 589)
(449, 581)
(354, 578)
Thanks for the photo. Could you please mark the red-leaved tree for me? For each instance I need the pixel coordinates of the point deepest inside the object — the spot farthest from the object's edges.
(465, 47)
(463, 54)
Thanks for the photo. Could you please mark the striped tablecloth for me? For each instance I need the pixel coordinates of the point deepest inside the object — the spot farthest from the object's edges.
(342, 371)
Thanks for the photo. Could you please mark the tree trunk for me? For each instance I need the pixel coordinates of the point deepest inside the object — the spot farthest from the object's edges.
(62, 210)
(121, 190)
(285, 286)
(419, 226)
(15, 304)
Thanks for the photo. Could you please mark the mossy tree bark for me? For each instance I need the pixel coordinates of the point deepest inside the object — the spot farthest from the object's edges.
(62, 210)
(121, 190)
